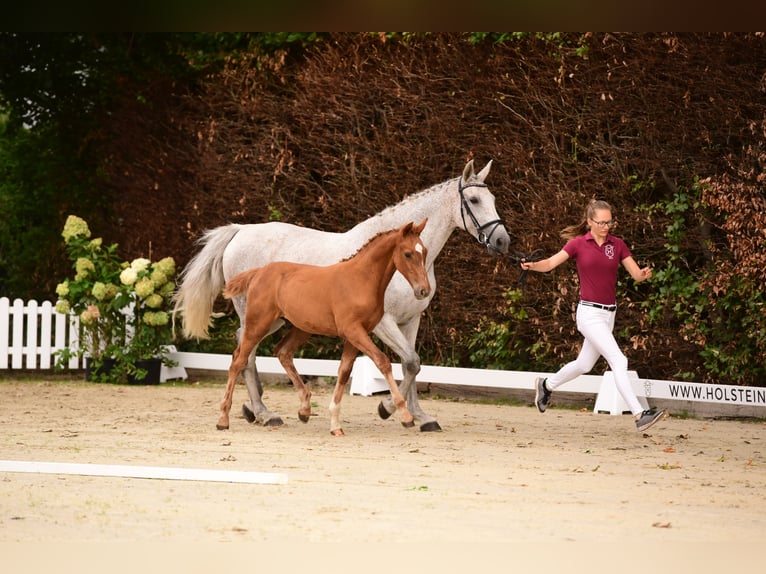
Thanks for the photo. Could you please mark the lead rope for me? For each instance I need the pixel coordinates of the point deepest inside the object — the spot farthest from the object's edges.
(519, 257)
(484, 238)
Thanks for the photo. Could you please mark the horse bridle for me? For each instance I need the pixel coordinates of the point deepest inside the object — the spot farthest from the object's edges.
(481, 237)
(484, 238)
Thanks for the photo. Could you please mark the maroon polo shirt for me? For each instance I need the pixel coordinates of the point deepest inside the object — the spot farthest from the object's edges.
(597, 266)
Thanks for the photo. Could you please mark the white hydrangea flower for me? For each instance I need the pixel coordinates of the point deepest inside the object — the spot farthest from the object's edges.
(128, 276)
(140, 264)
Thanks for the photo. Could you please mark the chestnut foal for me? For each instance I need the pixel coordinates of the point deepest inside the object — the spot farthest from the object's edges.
(341, 300)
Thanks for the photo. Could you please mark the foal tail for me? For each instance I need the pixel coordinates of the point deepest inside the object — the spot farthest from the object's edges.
(201, 282)
(239, 283)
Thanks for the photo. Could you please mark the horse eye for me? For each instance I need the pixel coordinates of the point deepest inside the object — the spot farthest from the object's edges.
(408, 254)
(474, 200)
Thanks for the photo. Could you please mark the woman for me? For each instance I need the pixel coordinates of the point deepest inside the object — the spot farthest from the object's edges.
(598, 255)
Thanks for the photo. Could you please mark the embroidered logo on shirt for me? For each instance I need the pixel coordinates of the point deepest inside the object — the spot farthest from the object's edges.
(609, 251)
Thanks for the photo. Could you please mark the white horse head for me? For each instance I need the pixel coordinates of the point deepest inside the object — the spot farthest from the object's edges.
(479, 208)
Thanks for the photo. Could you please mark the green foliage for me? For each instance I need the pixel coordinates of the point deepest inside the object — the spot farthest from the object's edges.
(502, 345)
(725, 321)
(274, 213)
(558, 39)
(36, 178)
(54, 87)
(51, 89)
(731, 333)
(676, 287)
(222, 337)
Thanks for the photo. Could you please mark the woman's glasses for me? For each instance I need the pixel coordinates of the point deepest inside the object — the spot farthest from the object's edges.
(602, 224)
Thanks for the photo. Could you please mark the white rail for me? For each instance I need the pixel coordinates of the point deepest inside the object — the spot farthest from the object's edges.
(31, 333)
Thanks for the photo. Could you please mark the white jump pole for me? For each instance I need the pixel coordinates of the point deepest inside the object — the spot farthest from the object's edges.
(156, 472)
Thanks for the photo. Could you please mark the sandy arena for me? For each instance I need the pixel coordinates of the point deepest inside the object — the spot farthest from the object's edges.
(496, 474)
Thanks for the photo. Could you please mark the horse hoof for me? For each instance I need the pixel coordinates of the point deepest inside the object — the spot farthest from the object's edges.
(304, 418)
(337, 432)
(274, 422)
(384, 414)
(248, 414)
(432, 426)
(221, 427)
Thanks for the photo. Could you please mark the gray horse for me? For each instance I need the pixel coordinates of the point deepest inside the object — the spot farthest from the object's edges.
(460, 203)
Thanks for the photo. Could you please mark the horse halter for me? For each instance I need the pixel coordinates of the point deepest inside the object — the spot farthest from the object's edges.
(481, 237)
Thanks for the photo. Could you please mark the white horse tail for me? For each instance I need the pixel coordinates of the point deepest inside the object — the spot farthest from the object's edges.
(201, 282)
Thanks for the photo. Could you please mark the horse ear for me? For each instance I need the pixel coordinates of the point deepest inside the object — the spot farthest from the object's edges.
(406, 229)
(420, 227)
(484, 172)
(468, 172)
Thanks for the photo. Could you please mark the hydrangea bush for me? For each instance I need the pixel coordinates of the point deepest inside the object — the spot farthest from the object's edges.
(122, 307)
(149, 287)
(93, 293)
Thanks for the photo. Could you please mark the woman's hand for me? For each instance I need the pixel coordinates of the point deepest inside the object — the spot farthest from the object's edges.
(646, 273)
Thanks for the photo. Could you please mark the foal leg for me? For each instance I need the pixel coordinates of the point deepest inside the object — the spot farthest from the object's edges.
(366, 345)
(344, 372)
(249, 340)
(238, 362)
(285, 351)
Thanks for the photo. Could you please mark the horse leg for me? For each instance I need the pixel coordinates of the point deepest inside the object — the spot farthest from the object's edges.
(401, 339)
(285, 351)
(347, 359)
(366, 345)
(255, 411)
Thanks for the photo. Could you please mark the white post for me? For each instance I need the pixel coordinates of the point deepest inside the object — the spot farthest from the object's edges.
(17, 336)
(5, 318)
(31, 342)
(46, 320)
(609, 398)
(366, 379)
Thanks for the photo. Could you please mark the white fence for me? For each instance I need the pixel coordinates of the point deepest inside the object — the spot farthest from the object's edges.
(366, 379)
(31, 334)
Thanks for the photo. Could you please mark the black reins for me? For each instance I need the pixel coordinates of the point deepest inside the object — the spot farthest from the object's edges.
(484, 239)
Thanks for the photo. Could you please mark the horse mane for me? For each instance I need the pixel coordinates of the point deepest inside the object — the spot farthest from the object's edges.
(415, 196)
(370, 240)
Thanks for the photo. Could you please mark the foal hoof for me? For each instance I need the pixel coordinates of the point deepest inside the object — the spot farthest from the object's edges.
(384, 414)
(221, 427)
(304, 418)
(337, 432)
(432, 426)
(408, 424)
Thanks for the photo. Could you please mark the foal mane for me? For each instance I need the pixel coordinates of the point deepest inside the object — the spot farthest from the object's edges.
(370, 240)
